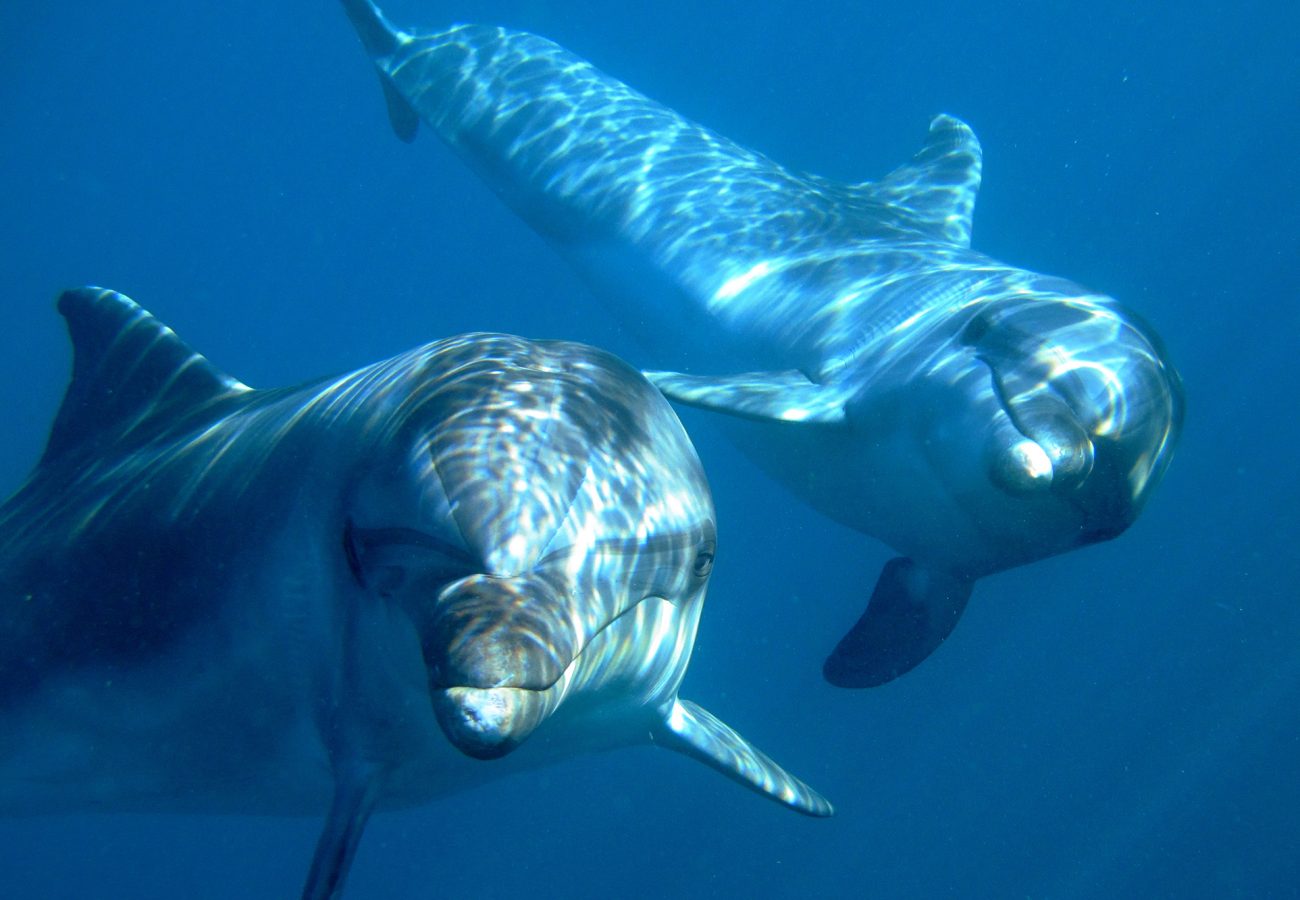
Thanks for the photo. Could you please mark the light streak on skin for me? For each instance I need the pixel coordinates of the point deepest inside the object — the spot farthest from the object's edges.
(871, 360)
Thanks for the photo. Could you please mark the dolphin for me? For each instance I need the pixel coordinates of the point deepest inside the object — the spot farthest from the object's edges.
(972, 415)
(345, 596)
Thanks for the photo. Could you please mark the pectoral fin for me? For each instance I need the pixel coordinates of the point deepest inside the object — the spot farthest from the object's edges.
(782, 396)
(381, 41)
(354, 798)
(911, 612)
(695, 732)
(401, 116)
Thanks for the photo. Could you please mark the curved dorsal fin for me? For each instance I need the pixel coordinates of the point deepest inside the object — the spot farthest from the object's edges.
(936, 190)
(127, 368)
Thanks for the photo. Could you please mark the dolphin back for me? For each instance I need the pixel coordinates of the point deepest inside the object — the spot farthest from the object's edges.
(581, 155)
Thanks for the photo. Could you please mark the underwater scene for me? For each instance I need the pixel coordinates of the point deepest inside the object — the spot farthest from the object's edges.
(885, 408)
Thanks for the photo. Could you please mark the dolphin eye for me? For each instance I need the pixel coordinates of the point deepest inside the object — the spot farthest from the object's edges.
(703, 562)
(387, 560)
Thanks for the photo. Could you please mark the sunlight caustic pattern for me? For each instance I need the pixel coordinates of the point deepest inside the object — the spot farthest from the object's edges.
(860, 286)
(973, 415)
(223, 599)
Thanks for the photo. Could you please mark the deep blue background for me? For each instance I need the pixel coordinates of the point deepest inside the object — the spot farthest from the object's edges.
(1121, 721)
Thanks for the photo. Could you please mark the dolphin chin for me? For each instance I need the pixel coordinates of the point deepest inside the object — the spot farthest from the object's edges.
(488, 723)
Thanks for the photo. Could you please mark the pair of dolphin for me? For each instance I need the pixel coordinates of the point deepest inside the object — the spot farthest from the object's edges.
(972, 415)
(344, 595)
(314, 597)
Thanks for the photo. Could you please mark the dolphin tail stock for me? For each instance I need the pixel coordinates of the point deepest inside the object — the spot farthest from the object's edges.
(381, 40)
(911, 612)
(355, 792)
(697, 733)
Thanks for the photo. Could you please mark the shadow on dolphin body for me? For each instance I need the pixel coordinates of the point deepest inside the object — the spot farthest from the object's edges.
(346, 595)
(972, 415)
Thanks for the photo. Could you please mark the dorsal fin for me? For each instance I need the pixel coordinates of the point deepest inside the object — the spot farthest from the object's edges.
(937, 189)
(127, 368)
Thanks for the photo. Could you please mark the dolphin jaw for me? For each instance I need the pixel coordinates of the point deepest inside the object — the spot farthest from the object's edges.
(488, 723)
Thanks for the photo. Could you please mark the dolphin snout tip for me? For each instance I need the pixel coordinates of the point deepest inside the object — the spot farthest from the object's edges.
(488, 723)
(1070, 451)
(1023, 468)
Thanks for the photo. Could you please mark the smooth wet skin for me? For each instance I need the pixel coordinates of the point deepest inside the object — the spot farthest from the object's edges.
(973, 415)
(355, 594)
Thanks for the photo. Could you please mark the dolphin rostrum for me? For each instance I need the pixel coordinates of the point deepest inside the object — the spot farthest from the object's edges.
(972, 415)
(332, 596)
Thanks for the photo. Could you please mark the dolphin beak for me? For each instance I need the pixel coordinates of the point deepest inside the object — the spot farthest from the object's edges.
(1089, 385)
(495, 649)
(1037, 443)
(487, 723)
(1019, 465)
(1060, 439)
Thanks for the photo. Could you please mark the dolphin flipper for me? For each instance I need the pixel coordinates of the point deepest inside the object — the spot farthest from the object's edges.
(404, 120)
(697, 733)
(355, 793)
(784, 396)
(911, 612)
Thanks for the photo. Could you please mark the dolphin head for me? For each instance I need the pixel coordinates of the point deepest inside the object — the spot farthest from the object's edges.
(543, 492)
(1080, 411)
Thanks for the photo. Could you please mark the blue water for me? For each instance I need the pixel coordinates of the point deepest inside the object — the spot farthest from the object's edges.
(1122, 721)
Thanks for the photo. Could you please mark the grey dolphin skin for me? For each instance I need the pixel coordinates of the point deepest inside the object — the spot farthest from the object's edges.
(972, 415)
(345, 596)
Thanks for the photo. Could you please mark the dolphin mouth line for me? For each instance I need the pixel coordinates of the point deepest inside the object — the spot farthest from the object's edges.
(573, 661)
(1000, 393)
(1058, 443)
(489, 722)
